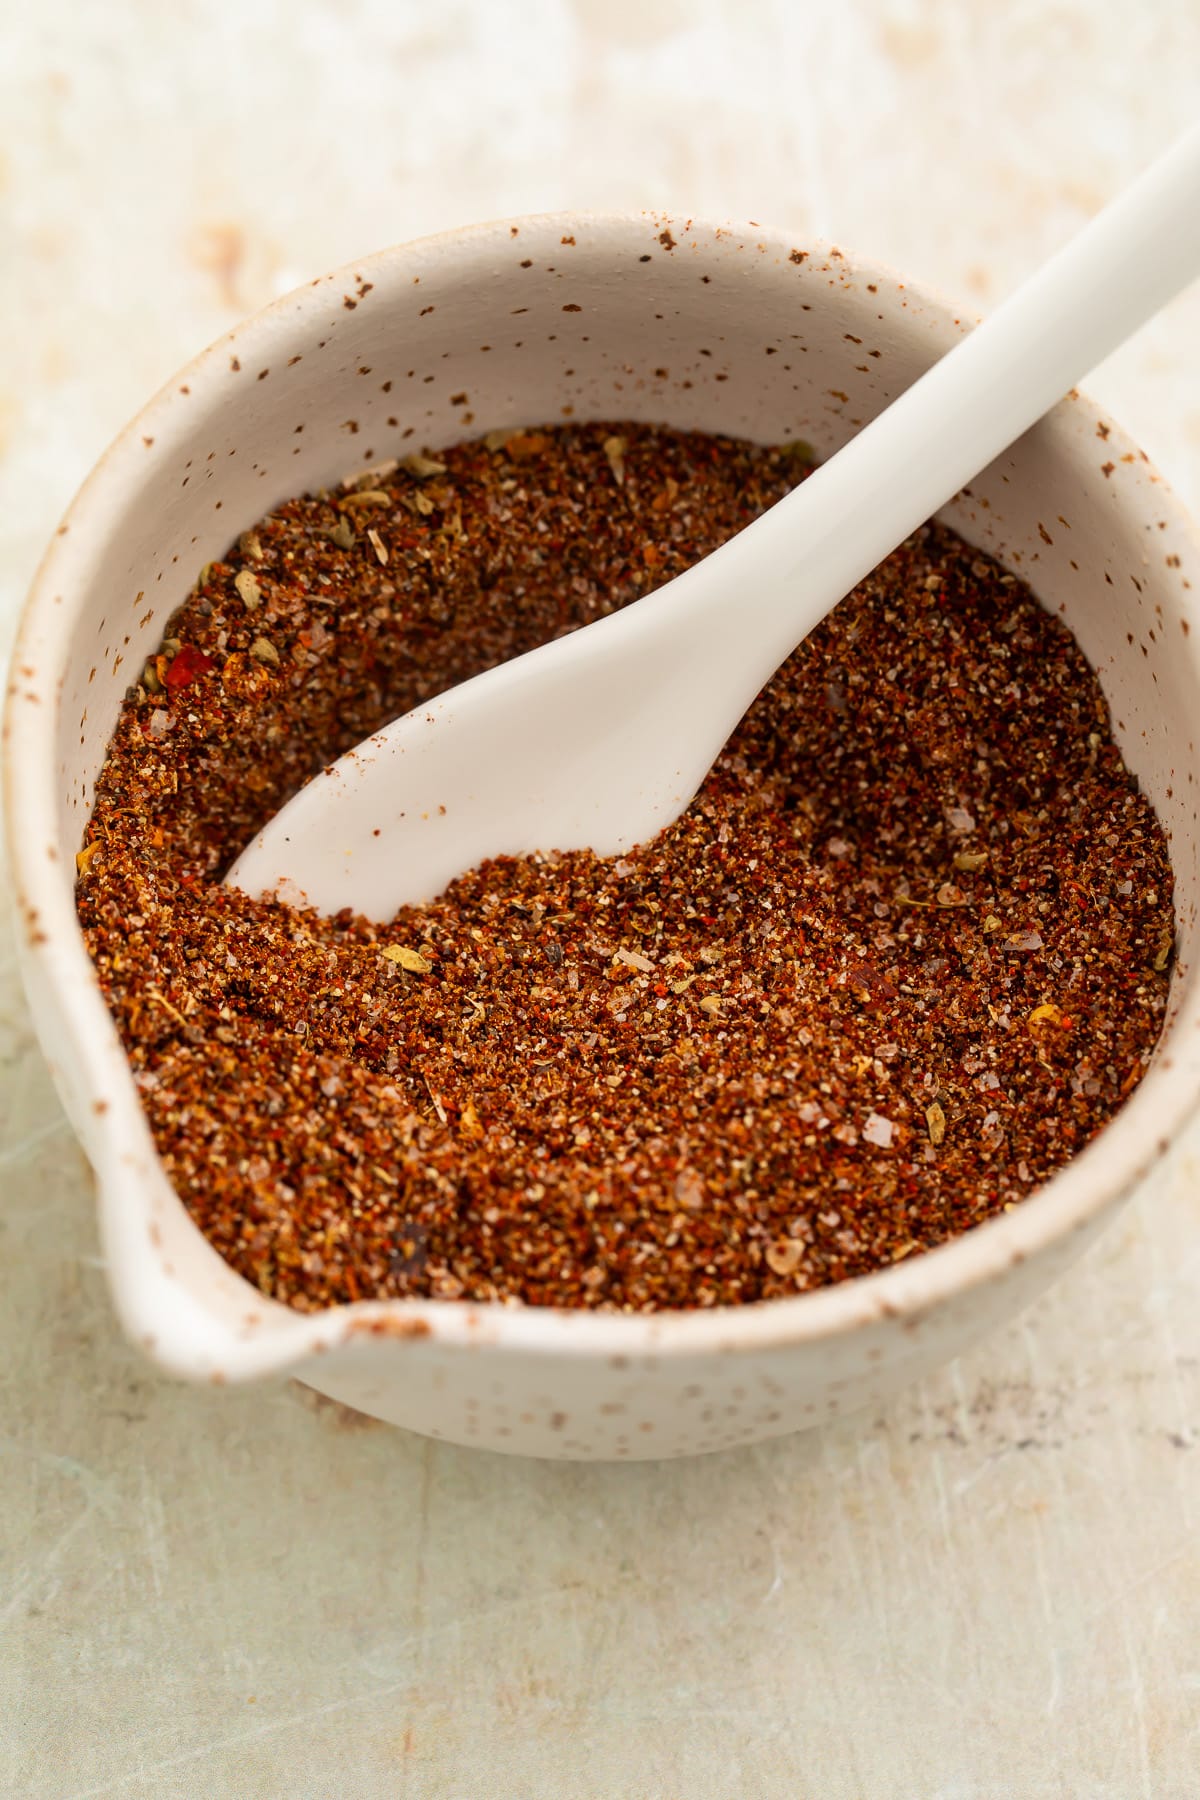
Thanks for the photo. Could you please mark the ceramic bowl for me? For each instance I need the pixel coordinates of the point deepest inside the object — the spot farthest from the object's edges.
(736, 329)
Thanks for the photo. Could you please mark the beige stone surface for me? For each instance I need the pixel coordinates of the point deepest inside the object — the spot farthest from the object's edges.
(990, 1591)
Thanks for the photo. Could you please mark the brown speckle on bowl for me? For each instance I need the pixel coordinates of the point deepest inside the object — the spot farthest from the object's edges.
(389, 1327)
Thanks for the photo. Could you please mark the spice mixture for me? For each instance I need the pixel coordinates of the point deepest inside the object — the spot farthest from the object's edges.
(906, 952)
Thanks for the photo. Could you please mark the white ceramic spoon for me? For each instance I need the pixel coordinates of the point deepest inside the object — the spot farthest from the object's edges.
(601, 739)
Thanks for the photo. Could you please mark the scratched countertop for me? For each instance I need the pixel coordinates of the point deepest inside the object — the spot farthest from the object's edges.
(991, 1591)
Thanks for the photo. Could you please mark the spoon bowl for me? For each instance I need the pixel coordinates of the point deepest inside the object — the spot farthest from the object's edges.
(742, 331)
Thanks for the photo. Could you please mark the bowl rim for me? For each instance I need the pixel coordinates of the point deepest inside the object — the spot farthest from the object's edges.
(157, 1306)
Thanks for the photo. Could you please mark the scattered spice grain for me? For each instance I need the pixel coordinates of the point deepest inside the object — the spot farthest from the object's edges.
(906, 952)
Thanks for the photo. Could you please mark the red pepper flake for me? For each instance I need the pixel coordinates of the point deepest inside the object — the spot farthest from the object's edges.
(186, 666)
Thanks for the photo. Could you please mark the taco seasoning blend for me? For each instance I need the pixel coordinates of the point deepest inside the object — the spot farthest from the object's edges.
(903, 956)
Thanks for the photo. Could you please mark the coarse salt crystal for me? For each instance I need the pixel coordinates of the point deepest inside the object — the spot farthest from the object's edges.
(689, 1189)
(959, 819)
(879, 1131)
(633, 959)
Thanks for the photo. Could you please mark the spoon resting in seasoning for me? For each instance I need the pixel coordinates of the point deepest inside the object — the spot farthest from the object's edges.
(600, 739)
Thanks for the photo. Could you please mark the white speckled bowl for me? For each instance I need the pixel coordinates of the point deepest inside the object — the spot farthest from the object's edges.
(641, 317)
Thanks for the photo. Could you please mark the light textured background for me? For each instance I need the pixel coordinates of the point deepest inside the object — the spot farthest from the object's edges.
(993, 1590)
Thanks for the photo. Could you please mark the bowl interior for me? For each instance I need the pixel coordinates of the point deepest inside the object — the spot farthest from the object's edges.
(641, 318)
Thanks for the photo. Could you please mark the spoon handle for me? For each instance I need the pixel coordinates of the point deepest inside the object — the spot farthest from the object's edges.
(801, 557)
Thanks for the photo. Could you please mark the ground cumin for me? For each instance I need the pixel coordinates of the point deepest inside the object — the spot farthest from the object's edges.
(904, 955)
